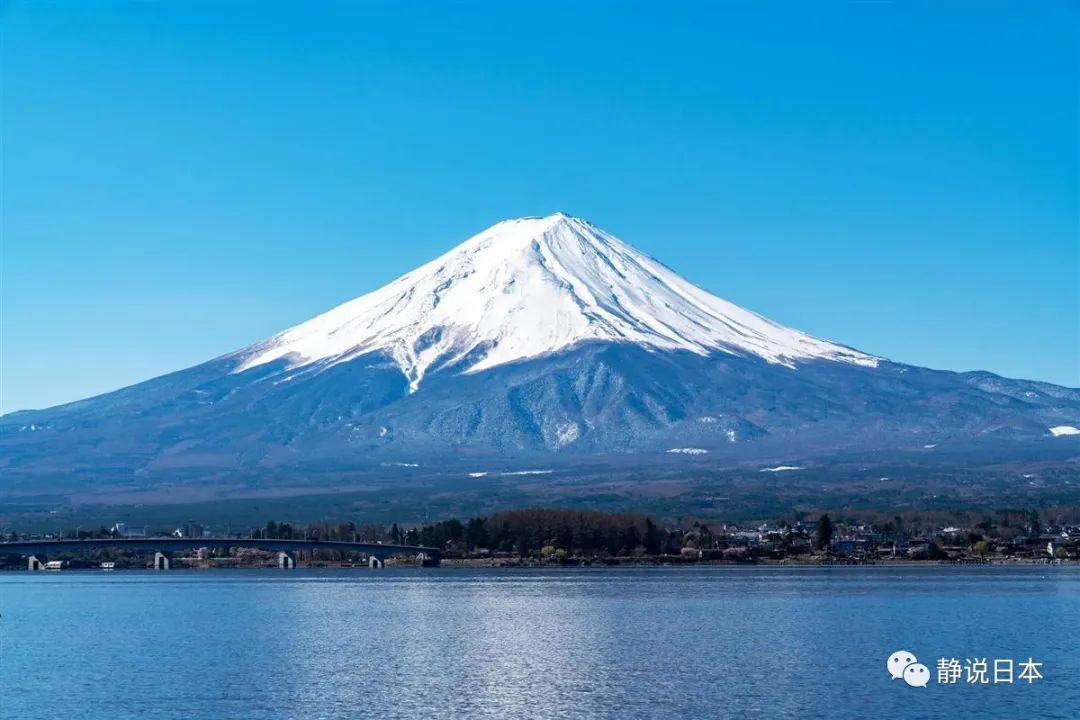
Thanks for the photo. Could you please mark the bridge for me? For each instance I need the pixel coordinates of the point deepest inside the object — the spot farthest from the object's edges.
(35, 550)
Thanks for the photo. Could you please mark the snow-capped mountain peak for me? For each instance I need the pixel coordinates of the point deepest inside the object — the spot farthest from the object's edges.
(531, 286)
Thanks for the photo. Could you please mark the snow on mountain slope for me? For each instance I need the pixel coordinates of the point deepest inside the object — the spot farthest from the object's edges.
(531, 286)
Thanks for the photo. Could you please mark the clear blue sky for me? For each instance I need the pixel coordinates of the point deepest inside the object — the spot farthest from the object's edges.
(182, 179)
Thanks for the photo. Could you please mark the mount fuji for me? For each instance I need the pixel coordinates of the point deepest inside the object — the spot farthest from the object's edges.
(538, 337)
(530, 287)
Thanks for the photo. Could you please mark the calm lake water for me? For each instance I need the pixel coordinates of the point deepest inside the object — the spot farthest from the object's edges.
(593, 643)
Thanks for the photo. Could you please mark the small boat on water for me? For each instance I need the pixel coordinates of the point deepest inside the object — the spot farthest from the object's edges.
(108, 565)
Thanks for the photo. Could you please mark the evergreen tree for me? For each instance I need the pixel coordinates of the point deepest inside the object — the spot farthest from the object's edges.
(475, 533)
(652, 538)
(824, 532)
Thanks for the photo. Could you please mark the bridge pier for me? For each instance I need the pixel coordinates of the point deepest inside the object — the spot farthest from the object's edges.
(285, 561)
(161, 561)
(374, 562)
(34, 564)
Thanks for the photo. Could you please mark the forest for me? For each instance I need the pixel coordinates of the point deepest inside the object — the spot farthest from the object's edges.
(523, 532)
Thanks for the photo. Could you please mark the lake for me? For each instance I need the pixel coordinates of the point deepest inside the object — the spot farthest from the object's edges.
(740, 642)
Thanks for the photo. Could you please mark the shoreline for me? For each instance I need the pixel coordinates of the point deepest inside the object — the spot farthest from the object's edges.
(512, 566)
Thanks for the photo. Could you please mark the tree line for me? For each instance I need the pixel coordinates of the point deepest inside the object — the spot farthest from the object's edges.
(524, 532)
(530, 532)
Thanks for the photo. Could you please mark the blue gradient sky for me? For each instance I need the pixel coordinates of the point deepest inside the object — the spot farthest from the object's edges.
(182, 179)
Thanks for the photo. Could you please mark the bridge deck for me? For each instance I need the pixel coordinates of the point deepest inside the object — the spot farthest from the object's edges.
(165, 544)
